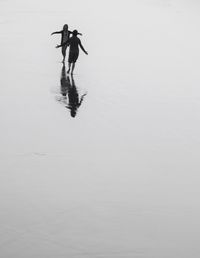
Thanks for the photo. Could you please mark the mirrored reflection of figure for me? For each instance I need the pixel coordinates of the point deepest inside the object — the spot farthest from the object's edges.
(69, 91)
(64, 82)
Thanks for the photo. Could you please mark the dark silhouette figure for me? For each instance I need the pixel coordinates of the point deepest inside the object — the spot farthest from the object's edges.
(65, 83)
(70, 93)
(65, 34)
(74, 42)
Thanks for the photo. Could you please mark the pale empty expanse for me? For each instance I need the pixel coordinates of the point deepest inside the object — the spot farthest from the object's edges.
(121, 179)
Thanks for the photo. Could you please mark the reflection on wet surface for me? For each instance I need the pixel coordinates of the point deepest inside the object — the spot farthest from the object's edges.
(70, 96)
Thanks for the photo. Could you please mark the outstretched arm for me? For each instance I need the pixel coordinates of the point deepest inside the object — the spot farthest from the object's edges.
(81, 46)
(63, 44)
(56, 32)
(81, 100)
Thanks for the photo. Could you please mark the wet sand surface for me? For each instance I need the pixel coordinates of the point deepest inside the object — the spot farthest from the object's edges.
(121, 178)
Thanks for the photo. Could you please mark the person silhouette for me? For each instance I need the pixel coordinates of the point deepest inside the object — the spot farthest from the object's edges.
(74, 102)
(65, 34)
(74, 42)
(69, 92)
(65, 83)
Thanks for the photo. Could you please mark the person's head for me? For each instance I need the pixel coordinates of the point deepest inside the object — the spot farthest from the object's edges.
(65, 27)
(73, 112)
(75, 33)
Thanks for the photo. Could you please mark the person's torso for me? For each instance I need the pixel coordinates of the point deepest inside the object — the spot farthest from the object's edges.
(65, 36)
(74, 42)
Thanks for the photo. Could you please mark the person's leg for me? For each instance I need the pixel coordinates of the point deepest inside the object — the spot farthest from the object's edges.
(69, 67)
(64, 58)
(63, 53)
(73, 66)
(64, 49)
(75, 57)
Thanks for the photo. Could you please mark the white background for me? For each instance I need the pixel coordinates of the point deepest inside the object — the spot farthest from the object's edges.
(121, 179)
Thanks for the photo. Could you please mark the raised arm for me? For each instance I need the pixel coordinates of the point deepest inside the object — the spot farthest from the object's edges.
(56, 32)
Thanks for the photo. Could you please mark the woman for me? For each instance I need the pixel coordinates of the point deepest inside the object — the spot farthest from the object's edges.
(74, 42)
